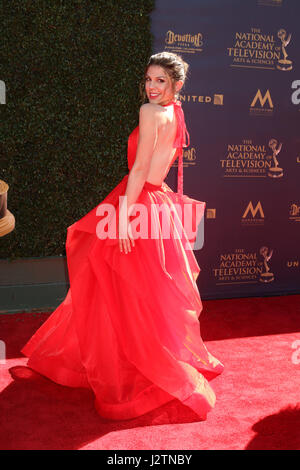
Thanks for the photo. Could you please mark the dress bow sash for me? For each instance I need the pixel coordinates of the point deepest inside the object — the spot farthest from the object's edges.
(182, 139)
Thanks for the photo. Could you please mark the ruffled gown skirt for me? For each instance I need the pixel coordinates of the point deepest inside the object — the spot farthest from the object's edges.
(129, 326)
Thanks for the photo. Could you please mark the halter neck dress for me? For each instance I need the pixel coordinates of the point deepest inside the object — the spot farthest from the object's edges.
(128, 327)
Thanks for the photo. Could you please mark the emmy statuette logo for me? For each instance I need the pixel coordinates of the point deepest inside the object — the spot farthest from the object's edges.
(275, 171)
(284, 64)
(266, 276)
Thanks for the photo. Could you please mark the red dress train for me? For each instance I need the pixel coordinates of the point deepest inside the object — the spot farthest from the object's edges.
(129, 326)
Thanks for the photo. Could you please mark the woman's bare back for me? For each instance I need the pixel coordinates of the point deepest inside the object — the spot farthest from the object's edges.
(164, 153)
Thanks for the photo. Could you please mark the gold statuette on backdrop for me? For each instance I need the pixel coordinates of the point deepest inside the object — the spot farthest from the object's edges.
(266, 276)
(275, 171)
(284, 64)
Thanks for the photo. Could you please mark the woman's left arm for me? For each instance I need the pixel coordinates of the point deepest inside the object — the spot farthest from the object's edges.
(146, 143)
(139, 171)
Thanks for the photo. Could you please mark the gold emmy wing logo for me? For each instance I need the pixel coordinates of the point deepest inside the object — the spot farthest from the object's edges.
(284, 64)
(275, 171)
(267, 275)
(260, 50)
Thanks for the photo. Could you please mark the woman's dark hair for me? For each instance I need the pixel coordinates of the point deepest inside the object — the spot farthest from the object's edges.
(173, 65)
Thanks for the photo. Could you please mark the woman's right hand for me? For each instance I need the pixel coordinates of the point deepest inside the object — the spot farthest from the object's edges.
(126, 240)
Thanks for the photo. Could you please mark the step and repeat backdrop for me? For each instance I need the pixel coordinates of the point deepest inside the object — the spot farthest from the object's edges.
(242, 107)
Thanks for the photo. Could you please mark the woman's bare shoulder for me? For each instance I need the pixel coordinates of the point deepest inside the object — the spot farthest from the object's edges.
(150, 111)
(150, 108)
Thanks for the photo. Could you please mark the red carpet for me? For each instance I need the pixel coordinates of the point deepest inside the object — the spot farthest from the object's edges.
(258, 395)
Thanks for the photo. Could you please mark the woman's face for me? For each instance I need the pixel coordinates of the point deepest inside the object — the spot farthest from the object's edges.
(158, 85)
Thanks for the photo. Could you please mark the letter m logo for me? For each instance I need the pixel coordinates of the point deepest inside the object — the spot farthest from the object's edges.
(253, 211)
(262, 100)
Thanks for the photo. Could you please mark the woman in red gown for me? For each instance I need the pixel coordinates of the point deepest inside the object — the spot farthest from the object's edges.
(129, 326)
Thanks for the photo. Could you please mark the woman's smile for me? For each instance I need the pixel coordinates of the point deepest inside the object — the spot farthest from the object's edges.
(158, 85)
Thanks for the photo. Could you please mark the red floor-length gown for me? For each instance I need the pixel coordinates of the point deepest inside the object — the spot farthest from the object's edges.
(129, 325)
